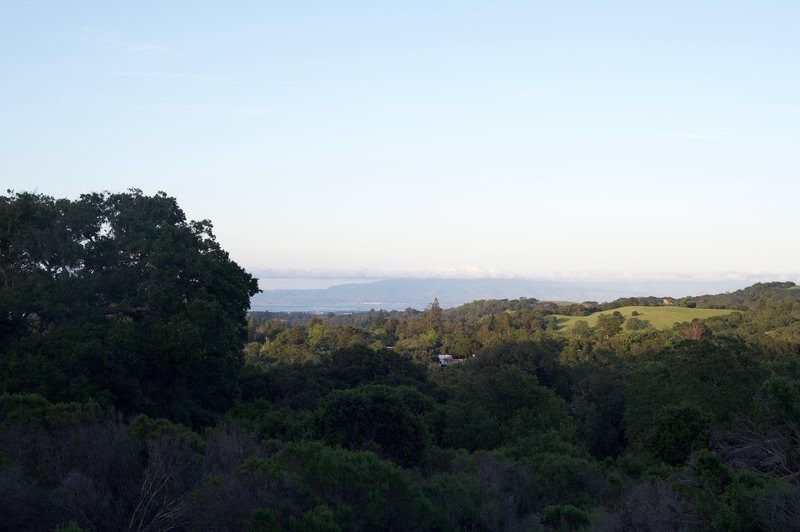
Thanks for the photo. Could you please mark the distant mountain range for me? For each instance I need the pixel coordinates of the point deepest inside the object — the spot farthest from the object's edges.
(399, 294)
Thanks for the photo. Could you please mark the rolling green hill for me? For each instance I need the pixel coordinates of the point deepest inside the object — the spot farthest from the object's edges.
(659, 317)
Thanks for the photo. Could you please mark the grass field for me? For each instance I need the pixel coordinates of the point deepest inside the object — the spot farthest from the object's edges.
(659, 317)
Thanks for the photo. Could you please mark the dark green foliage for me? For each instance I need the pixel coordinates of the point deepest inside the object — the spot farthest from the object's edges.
(650, 301)
(709, 470)
(759, 502)
(263, 520)
(780, 395)
(309, 482)
(747, 298)
(353, 366)
(81, 463)
(388, 420)
(498, 407)
(656, 380)
(654, 505)
(636, 324)
(498, 491)
(694, 330)
(564, 478)
(304, 385)
(538, 358)
(460, 345)
(298, 386)
(474, 311)
(581, 329)
(721, 374)
(742, 499)
(609, 325)
(597, 405)
(463, 500)
(677, 431)
(768, 440)
(119, 297)
(566, 517)
(639, 464)
(269, 421)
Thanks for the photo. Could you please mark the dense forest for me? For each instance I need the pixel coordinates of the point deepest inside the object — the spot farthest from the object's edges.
(137, 393)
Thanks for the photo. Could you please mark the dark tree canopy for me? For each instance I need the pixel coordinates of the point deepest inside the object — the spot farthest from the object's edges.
(119, 297)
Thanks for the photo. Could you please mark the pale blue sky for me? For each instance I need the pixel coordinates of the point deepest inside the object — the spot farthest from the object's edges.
(514, 137)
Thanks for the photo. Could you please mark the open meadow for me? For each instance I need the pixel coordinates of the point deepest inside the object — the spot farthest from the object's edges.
(661, 318)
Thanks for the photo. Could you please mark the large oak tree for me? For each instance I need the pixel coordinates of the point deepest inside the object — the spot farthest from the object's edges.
(119, 298)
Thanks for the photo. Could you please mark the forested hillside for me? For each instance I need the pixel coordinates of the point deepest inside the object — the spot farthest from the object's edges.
(138, 394)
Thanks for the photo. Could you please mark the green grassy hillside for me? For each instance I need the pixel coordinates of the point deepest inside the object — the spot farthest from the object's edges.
(659, 317)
